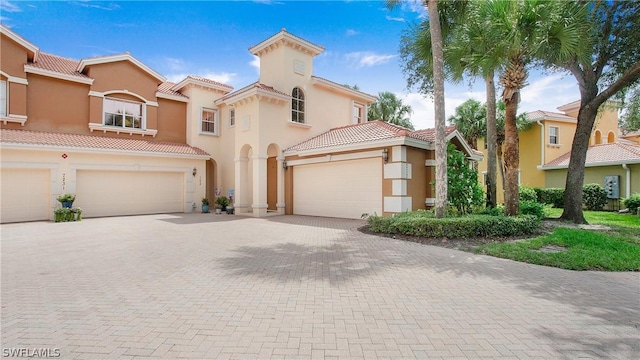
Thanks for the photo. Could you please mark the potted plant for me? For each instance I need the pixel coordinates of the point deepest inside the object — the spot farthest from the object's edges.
(205, 205)
(230, 208)
(223, 202)
(66, 200)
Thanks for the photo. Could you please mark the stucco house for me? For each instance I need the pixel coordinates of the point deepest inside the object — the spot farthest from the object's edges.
(545, 148)
(126, 141)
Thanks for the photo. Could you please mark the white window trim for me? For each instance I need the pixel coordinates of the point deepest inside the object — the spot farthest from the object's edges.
(143, 121)
(4, 84)
(123, 130)
(232, 110)
(216, 122)
(9, 117)
(557, 136)
(362, 118)
(304, 103)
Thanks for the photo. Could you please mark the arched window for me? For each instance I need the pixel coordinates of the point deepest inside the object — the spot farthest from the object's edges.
(123, 113)
(611, 138)
(598, 137)
(297, 105)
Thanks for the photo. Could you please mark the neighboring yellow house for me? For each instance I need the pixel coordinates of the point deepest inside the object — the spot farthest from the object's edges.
(126, 141)
(546, 144)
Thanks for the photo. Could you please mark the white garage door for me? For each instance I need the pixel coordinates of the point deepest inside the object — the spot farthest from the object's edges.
(108, 193)
(345, 189)
(25, 195)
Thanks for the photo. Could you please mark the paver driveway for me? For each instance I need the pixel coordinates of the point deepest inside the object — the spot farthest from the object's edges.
(216, 286)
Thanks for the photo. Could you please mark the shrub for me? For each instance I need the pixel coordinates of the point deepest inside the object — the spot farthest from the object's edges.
(463, 190)
(469, 226)
(553, 196)
(532, 208)
(496, 211)
(527, 194)
(222, 201)
(594, 196)
(632, 202)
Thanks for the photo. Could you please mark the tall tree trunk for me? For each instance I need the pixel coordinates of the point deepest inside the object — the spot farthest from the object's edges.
(438, 85)
(491, 140)
(511, 156)
(500, 162)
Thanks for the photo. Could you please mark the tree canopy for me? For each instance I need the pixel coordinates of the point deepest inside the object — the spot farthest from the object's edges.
(390, 108)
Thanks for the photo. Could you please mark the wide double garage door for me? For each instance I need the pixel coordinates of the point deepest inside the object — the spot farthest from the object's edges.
(345, 189)
(109, 193)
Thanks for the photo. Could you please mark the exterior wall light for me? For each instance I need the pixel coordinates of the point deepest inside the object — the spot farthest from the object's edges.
(385, 155)
(284, 165)
(195, 171)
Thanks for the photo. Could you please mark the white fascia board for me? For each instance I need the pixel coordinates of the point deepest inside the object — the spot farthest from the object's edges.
(171, 97)
(14, 79)
(334, 158)
(37, 147)
(189, 80)
(20, 40)
(600, 164)
(343, 89)
(57, 75)
(120, 57)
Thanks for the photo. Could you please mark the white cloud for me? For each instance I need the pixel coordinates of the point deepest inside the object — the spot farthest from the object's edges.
(255, 63)
(351, 32)
(424, 111)
(548, 92)
(399, 19)
(367, 58)
(6, 6)
(93, 5)
(415, 6)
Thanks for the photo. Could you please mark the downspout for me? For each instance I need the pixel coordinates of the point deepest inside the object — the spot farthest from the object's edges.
(628, 180)
(542, 146)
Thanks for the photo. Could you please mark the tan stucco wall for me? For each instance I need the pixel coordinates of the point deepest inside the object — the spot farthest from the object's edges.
(607, 123)
(171, 124)
(557, 178)
(276, 68)
(64, 169)
(123, 75)
(17, 99)
(14, 57)
(419, 186)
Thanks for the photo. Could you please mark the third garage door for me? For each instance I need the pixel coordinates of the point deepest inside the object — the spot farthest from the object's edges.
(345, 189)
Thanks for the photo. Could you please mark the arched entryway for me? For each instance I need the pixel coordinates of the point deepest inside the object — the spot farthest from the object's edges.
(272, 177)
(244, 180)
(211, 180)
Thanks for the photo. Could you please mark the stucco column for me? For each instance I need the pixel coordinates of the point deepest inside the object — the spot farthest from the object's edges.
(259, 204)
(280, 204)
(241, 204)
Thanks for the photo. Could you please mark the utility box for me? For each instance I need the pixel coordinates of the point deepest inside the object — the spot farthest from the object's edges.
(612, 186)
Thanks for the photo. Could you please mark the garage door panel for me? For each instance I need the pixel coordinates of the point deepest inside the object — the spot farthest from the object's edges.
(25, 195)
(338, 189)
(108, 193)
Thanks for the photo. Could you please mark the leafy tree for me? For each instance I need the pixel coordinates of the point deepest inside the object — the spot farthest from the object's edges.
(610, 64)
(390, 108)
(470, 119)
(630, 119)
(463, 190)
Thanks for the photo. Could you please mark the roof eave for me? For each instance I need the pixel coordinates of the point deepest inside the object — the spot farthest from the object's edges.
(115, 58)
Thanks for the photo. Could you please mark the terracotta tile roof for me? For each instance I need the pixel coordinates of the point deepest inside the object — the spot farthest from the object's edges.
(548, 115)
(430, 134)
(57, 64)
(602, 154)
(165, 88)
(212, 82)
(27, 137)
(353, 134)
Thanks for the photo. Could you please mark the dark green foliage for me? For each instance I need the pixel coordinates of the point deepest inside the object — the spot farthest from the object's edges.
(532, 208)
(469, 226)
(527, 194)
(633, 202)
(594, 196)
(552, 196)
(463, 190)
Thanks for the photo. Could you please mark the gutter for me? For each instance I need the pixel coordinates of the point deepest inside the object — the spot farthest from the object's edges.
(627, 180)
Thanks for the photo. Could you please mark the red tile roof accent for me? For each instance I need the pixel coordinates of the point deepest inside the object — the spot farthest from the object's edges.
(604, 153)
(212, 82)
(430, 134)
(57, 64)
(548, 115)
(27, 137)
(165, 88)
(352, 134)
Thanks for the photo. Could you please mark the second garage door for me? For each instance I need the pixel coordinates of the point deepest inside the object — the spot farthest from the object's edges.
(109, 193)
(345, 189)
(25, 194)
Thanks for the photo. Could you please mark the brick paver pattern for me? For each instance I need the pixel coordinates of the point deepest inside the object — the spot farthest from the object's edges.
(205, 286)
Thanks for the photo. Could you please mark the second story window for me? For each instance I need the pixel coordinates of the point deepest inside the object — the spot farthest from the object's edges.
(232, 117)
(553, 135)
(209, 121)
(123, 113)
(3, 98)
(297, 105)
(358, 113)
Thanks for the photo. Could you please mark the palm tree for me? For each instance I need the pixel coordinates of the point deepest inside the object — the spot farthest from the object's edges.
(390, 108)
(470, 120)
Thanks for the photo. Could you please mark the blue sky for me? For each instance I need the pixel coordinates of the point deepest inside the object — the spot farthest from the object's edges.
(211, 39)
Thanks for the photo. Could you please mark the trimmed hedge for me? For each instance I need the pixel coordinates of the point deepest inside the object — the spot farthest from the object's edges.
(594, 196)
(553, 196)
(632, 202)
(532, 208)
(470, 226)
(527, 194)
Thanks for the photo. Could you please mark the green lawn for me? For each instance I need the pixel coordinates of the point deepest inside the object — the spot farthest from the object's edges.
(617, 249)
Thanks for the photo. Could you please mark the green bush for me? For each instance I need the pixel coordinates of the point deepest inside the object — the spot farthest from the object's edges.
(552, 196)
(469, 226)
(594, 196)
(464, 193)
(527, 194)
(532, 208)
(632, 202)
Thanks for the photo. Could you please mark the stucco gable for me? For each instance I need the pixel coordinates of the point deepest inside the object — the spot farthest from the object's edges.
(32, 50)
(283, 38)
(85, 63)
